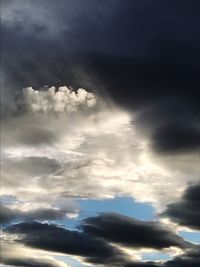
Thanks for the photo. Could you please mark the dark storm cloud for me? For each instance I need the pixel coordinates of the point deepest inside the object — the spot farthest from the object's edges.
(33, 54)
(186, 212)
(57, 239)
(131, 232)
(8, 215)
(156, 45)
(141, 54)
(165, 97)
(174, 138)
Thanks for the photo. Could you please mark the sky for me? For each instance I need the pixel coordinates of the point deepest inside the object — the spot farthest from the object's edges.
(100, 133)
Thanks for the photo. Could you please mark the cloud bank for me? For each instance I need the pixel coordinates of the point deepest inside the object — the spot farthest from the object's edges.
(76, 144)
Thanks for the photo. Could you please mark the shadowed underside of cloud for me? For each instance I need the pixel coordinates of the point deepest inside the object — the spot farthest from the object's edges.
(93, 242)
(130, 232)
(186, 212)
(56, 239)
(189, 259)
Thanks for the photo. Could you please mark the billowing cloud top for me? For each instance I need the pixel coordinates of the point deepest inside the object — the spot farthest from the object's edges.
(62, 100)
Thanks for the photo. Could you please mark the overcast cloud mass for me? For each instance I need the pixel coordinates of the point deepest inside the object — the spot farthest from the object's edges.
(100, 101)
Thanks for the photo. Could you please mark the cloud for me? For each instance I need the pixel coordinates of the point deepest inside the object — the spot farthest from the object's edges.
(30, 15)
(32, 165)
(136, 128)
(58, 101)
(102, 240)
(56, 239)
(6, 215)
(175, 138)
(9, 214)
(157, 78)
(131, 232)
(186, 212)
(78, 144)
(29, 262)
(13, 254)
(190, 258)
(142, 264)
